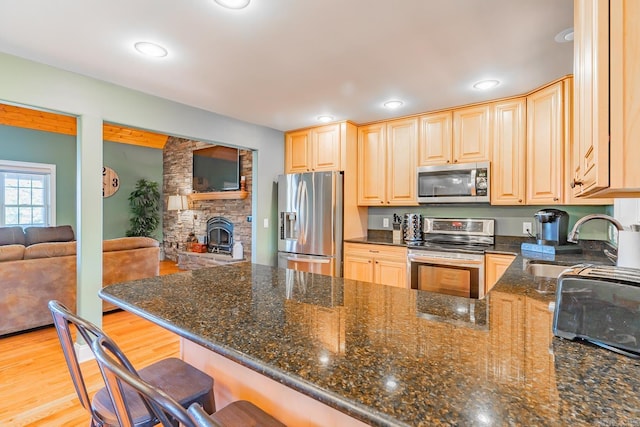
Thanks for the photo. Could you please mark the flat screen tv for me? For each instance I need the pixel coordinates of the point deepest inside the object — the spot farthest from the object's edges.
(216, 168)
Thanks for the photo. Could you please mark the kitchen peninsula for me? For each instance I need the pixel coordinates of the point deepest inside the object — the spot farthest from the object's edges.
(382, 355)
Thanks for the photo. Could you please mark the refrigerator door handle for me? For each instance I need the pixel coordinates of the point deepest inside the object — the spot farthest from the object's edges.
(298, 207)
(305, 201)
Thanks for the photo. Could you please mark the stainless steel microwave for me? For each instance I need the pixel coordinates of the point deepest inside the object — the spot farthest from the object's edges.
(455, 183)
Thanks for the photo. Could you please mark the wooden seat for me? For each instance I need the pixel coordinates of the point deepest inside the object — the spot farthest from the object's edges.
(187, 384)
(165, 408)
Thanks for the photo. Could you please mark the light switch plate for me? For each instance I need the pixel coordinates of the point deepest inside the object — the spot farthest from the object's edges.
(385, 222)
(265, 223)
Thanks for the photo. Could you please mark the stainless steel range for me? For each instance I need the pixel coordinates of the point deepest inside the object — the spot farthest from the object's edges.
(450, 258)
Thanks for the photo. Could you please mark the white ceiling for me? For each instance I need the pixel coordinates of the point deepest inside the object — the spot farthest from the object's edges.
(281, 63)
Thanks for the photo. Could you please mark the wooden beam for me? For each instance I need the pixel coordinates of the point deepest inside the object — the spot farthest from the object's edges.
(131, 136)
(38, 120)
(28, 118)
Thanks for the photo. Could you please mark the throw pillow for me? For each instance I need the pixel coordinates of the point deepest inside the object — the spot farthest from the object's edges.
(61, 233)
(11, 236)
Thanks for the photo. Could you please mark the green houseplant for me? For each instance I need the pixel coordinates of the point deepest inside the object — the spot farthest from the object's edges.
(144, 203)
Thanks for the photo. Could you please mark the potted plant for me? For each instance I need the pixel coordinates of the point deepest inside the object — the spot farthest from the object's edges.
(144, 203)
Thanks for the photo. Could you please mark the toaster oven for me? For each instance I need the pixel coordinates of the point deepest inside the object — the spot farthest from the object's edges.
(601, 305)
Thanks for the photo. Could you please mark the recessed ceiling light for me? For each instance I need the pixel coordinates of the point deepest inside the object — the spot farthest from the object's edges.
(393, 104)
(486, 84)
(151, 49)
(325, 119)
(564, 36)
(233, 4)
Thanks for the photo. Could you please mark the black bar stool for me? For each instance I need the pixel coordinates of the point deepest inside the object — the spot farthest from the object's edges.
(179, 379)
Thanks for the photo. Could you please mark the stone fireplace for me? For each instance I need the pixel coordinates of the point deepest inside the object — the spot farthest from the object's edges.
(219, 235)
(178, 176)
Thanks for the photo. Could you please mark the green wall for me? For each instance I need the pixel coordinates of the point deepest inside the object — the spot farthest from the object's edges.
(26, 145)
(131, 163)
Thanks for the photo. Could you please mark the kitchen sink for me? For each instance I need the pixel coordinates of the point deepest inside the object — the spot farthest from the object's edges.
(548, 270)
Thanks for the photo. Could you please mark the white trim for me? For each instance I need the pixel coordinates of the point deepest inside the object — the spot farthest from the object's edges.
(42, 168)
(83, 352)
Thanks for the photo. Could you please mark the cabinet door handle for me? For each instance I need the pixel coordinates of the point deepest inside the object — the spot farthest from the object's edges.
(376, 262)
(575, 182)
(448, 161)
(455, 161)
(519, 200)
(555, 199)
(373, 252)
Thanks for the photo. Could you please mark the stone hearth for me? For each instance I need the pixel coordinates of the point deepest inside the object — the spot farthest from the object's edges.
(195, 261)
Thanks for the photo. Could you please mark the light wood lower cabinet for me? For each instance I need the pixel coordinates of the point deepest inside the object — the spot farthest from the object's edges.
(494, 267)
(385, 265)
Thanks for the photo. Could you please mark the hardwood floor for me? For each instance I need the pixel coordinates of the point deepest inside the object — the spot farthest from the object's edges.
(35, 385)
(168, 267)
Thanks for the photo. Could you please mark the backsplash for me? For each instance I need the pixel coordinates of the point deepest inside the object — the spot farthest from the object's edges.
(508, 219)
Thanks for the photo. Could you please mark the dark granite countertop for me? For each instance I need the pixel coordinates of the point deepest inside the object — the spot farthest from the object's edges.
(399, 356)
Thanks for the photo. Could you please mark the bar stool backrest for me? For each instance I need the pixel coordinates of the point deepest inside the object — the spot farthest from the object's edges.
(62, 318)
(116, 374)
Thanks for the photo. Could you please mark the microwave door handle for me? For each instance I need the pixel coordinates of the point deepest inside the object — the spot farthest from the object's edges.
(473, 182)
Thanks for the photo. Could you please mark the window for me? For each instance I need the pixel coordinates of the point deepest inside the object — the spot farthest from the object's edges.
(27, 196)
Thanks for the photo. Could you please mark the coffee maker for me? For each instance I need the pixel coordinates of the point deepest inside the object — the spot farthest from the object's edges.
(552, 226)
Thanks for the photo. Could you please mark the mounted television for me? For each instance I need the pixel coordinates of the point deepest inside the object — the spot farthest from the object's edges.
(216, 168)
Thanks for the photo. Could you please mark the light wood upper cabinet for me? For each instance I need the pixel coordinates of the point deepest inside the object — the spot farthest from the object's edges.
(326, 148)
(494, 267)
(372, 164)
(591, 73)
(387, 163)
(313, 150)
(385, 265)
(471, 134)
(508, 171)
(529, 143)
(297, 147)
(434, 146)
(545, 146)
(607, 98)
(402, 139)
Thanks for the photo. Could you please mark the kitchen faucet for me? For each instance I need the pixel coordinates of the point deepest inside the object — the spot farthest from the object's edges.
(575, 231)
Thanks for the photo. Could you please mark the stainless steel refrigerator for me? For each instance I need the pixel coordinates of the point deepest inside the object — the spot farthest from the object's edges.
(310, 222)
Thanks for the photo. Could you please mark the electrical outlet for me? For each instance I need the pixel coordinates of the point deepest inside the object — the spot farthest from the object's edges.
(526, 228)
(265, 223)
(385, 222)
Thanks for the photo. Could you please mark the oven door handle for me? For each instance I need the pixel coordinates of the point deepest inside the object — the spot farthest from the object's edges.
(310, 260)
(441, 260)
